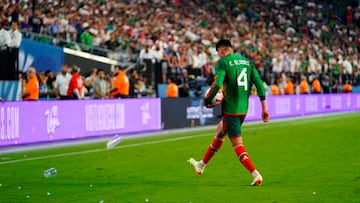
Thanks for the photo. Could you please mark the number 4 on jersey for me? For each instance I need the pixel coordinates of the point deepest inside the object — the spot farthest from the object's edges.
(242, 79)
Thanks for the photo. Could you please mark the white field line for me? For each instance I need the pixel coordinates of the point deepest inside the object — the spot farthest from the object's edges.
(102, 149)
(276, 124)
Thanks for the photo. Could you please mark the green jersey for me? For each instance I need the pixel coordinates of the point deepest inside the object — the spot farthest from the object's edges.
(236, 74)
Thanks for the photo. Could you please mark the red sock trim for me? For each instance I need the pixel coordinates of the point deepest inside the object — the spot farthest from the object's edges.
(244, 157)
(212, 149)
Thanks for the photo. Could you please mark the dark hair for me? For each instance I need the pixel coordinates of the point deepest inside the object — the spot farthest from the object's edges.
(172, 79)
(100, 70)
(223, 43)
(119, 67)
(47, 71)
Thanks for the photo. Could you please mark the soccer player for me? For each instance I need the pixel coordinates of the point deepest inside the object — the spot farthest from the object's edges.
(235, 74)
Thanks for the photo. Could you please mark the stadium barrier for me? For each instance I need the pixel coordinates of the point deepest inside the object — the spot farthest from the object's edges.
(45, 121)
(301, 105)
(187, 112)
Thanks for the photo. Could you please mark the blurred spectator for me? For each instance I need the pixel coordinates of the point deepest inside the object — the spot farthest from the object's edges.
(15, 36)
(304, 86)
(89, 81)
(86, 39)
(5, 39)
(36, 21)
(146, 53)
(55, 28)
(121, 84)
(316, 87)
(62, 83)
(31, 91)
(76, 89)
(13, 12)
(347, 87)
(145, 90)
(135, 85)
(112, 43)
(183, 84)
(43, 92)
(325, 84)
(100, 86)
(172, 89)
(335, 86)
(347, 69)
(173, 62)
(289, 87)
(158, 53)
(275, 89)
(50, 81)
(203, 61)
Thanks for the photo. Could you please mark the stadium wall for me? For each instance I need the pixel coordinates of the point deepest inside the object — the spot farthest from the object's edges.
(47, 121)
(187, 112)
(301, 105)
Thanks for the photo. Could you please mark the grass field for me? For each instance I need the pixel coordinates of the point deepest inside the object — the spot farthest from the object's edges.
(310, 159)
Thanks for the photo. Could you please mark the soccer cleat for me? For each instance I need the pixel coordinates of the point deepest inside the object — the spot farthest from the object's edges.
(257, 180)
(196, 165)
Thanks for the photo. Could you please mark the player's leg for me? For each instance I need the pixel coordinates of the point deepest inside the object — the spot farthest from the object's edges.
(215, 145)
(234, 131)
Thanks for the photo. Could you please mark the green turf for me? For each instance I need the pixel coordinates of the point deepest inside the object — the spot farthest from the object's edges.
(313, 159)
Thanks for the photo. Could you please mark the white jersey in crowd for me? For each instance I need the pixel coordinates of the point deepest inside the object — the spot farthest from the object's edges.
(16, 38)
(62, 82)
(4, 38)
(146, 54)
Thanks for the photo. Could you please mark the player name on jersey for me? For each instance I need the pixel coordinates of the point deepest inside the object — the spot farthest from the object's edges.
(239, 62)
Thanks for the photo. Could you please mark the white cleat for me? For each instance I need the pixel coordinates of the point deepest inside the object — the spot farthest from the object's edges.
(258, 180)
(196, 165)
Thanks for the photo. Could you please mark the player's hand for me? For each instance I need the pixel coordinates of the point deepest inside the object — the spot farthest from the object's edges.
(208, 104)
(265, 116)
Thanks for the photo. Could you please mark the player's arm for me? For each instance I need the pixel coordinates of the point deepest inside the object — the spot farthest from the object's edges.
(264, 114)
(256, 79)
(217, 84)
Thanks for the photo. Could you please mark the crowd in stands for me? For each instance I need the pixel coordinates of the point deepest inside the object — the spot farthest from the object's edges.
(290, 41)
(69, 84)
